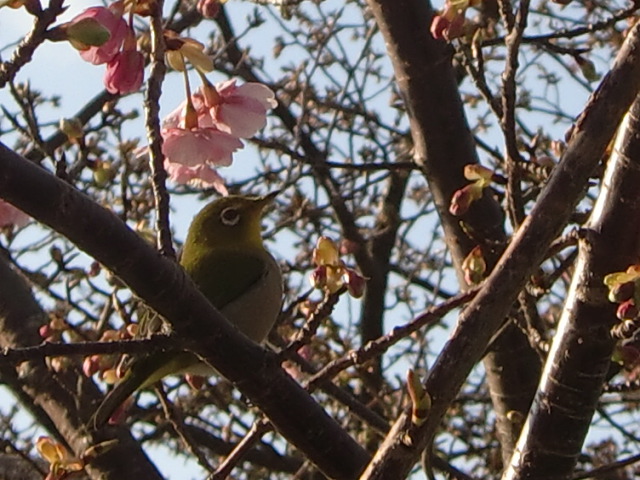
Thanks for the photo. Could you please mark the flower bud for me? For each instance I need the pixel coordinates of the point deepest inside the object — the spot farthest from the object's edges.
(627, 310)
(474, 171)
(621, 292)
(110, 376)
(45, 331)
(326, 252)
(474, 266)
(132, 330)
(71, 127)
(355, 283)
(103, 174)
(58, 364)
(90, 365)
(463, 198)
(208, 8)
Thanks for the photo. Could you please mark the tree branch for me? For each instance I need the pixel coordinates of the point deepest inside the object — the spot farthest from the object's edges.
(482, 317)
(582, 347)
(166, 288)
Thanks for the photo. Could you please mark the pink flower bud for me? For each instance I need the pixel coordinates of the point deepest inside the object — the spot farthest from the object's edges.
(627, 310)
(90, 366)
(318, 277)
(208, 8)
(45, 331)
(463, 198)
(124, 72)
(355, 283)
(438, 25)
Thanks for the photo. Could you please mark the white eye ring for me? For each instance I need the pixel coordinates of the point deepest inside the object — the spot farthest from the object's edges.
(230, 216)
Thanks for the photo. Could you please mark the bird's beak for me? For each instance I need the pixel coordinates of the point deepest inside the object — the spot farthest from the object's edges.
(268, 198)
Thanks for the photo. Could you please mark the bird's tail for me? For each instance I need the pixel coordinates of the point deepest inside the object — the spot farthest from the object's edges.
(143, 373)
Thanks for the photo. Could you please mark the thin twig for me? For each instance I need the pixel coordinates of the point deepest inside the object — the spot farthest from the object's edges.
(257, 430)
(177, 423)
(152, 124)
(37, 352)
(313, 322)
(382, 344)
(508, 120)
(23, 53)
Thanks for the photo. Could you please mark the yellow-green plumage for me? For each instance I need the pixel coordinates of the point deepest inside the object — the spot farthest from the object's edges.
(224, 255)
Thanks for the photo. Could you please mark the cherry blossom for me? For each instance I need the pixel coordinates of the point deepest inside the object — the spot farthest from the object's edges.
(111, 19)
(202, 176)
(125, 72)
(199, 146)
(238, 110)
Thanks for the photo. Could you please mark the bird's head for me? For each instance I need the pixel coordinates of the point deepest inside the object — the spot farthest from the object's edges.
(230, 221)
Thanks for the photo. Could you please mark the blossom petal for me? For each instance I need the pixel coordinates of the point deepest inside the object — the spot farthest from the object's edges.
(199, 146)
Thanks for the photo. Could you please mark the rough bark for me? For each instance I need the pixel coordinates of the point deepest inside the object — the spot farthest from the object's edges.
(482, 317)
(54, 394)
(443, 146)
(581, 352)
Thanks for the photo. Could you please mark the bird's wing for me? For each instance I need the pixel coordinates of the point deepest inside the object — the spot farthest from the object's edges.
(225, 276)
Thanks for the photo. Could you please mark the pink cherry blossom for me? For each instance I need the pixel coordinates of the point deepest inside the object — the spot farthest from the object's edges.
(11, 216)
(199, 146)
(202, 176)
(114, 23)
(124, 72)
(242, 111)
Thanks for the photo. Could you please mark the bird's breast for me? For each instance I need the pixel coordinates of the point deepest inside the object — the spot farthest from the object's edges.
(256, 311)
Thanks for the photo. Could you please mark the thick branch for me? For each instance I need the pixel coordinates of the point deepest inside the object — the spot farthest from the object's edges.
(166, 288)
(581, 353)
(52, 394)
(485, 313)
(443, 146)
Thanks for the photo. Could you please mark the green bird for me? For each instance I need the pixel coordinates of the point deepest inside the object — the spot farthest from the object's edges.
(225, 256)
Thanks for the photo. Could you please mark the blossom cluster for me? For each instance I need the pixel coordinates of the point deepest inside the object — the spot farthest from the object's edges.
(205, 131)
(331, 273)
(117, 49)
(624, 289)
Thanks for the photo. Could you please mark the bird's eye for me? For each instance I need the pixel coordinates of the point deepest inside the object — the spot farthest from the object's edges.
(230, 216)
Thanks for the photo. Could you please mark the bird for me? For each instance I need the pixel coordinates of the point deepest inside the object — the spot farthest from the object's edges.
(224, 255)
